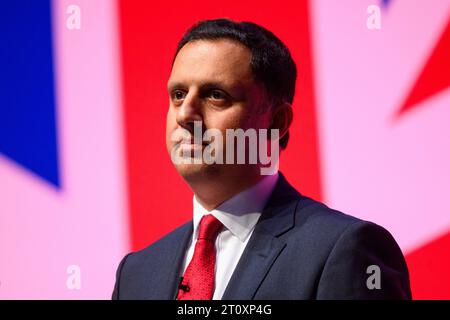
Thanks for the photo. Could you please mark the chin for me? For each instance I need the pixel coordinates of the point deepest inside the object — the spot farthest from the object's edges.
(192, 172)
(189, 171)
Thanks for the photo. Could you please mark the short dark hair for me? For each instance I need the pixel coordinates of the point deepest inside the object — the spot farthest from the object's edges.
(271, 64)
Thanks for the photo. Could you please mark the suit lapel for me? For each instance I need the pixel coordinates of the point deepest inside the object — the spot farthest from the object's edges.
(177, 263)
(264, 246)
(166, 285)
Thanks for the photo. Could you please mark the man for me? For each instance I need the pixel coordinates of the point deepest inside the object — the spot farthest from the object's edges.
(253, 236)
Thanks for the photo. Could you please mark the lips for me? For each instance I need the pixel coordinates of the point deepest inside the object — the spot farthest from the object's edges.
(190, 141)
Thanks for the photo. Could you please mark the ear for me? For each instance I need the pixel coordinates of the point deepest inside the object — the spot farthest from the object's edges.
(282, 118)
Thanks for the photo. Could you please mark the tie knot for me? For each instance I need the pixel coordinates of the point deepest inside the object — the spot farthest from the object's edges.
(209, 228)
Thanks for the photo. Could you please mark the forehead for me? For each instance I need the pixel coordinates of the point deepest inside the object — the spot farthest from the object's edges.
(212, 60)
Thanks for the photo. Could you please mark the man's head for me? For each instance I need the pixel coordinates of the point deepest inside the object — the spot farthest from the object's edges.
(230, 75)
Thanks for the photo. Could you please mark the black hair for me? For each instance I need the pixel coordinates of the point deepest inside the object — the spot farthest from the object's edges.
(271, 63)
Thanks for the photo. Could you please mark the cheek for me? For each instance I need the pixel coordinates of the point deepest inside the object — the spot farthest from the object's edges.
(231, 118)
(171, 124)
(263, 121)
(171, 119)
(258, 118)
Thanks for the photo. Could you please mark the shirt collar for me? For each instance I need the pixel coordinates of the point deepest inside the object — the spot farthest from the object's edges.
(240, 213)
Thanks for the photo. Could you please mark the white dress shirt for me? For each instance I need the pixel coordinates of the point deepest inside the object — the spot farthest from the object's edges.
(239, 216)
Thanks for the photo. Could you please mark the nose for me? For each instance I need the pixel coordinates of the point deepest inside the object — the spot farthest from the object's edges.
(189, 111)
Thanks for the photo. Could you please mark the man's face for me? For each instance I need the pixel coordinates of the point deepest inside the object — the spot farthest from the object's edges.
(212, 82)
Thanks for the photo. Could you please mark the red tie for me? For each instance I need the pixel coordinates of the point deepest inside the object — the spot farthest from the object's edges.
(198, 279)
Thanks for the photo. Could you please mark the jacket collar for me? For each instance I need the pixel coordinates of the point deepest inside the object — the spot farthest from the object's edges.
(265, 244)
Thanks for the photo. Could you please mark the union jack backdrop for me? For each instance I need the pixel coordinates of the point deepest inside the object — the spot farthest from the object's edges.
(84, 173)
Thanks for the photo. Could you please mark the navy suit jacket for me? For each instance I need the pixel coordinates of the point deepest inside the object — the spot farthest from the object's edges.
(300, 249)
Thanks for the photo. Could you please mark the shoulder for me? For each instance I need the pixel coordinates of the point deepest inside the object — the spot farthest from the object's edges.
(308, 212)
(333, 229)
(159, 248)
(138, 269)
(348, 249)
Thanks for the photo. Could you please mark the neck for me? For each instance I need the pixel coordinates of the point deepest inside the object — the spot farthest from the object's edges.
(213, 191)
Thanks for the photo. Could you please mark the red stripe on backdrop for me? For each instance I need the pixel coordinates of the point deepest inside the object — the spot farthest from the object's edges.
(433, 77)
(429, 268)
(159, 199)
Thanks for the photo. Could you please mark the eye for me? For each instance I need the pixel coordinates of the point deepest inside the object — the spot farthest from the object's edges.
(178, 95)
(218, 95)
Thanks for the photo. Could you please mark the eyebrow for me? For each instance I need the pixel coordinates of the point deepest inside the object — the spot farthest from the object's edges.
(174, 85)
(207, 85)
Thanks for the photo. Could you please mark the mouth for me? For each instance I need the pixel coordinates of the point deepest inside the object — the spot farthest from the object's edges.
(191, 142)
(189, 149)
